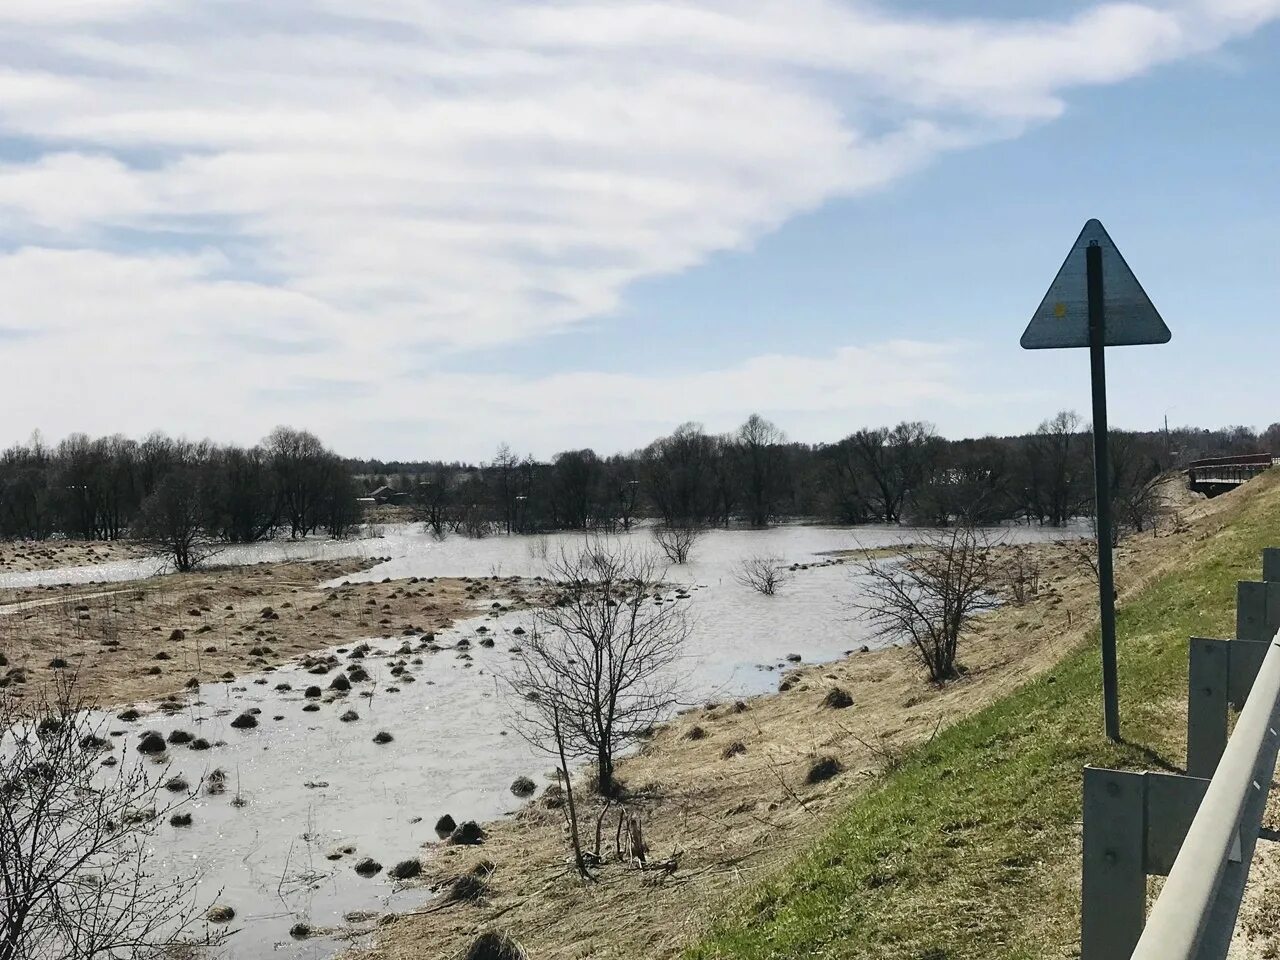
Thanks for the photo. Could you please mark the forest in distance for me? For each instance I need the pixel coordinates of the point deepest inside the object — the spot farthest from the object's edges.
(291, 484)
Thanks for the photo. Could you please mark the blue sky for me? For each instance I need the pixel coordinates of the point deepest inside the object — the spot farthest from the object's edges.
(424, 229)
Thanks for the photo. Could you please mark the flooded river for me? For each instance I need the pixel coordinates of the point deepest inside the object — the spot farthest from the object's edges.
(309, 782)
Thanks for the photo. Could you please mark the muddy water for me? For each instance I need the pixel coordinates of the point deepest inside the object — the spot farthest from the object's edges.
(310, 782)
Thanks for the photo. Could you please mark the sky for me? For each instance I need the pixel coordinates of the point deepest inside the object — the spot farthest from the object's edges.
(420, 228)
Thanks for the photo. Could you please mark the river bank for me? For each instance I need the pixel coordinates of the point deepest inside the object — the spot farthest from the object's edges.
(732, 791)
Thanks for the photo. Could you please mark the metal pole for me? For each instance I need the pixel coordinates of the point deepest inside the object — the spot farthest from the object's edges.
(1102, 488)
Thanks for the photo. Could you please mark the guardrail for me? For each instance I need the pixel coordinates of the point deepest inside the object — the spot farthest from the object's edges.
(1199, 832)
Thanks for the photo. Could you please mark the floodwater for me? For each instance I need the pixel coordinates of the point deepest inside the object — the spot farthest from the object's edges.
(303, 783)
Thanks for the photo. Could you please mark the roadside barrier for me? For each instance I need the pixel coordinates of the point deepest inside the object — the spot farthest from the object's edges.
(1198, 830)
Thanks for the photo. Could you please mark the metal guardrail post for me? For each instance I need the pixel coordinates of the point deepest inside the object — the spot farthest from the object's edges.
(1257, 610)
(1113, 883)
(1221, 672)
(1271, 564)
(1134, 825)
(1208, 679)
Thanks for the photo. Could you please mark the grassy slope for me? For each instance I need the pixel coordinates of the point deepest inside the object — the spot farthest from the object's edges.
(971, 848)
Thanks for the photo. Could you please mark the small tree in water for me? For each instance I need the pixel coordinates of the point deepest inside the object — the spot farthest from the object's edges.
(597, 671)
(927, 592)
(677, 540)
(762, 573)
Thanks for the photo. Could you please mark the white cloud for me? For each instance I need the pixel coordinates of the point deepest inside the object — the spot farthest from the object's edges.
(69, 11)
(227, 195)
(71, 191)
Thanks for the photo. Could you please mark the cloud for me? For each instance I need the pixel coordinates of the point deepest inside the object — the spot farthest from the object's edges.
(222, 198)
(75, 12)
(880, 382)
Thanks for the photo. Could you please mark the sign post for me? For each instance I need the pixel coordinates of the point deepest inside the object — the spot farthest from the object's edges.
(1095, 301)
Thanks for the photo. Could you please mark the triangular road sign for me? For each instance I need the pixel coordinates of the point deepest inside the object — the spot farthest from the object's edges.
(1063, 317)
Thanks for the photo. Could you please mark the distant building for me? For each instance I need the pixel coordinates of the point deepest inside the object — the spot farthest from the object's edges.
(385, 494)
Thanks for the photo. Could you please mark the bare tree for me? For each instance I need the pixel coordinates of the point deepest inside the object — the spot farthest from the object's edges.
(1021, 574)
(430, 499)
(761, 573)
(546, 717)
(895, 462)
(679, 472)
(1082, 553)
(75, 843)
(758, 443)
(1057, 469)
(296, 458)
(926, 593)
(172, 518)
(1137, 488)
(596, 672)
(677, 540)
(505, 474)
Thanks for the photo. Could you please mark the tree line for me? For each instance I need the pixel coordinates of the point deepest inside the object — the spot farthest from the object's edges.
(290, 484)
(170, 489)
(754, 475)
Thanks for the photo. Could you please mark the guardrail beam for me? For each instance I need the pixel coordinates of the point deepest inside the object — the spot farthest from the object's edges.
(1221, 921)
(1195, 914)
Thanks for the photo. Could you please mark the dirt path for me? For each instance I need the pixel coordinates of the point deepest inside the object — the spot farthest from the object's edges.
(153, 638)
(722, 791)
(21, 606)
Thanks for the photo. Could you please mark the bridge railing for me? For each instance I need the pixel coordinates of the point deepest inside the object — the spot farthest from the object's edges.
(1225, 474)
(1199, 832)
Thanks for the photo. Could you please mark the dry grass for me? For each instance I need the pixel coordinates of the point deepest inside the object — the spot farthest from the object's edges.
(24, 556)
(148, 639)
(730, 816)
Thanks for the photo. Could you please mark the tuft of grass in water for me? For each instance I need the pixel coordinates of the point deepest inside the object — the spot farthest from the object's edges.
(970, 849)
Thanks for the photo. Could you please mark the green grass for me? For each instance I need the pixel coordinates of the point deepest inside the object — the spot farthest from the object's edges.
(971, 848)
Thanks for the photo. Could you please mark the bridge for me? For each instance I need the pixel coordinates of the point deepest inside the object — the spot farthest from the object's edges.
(1216, 475)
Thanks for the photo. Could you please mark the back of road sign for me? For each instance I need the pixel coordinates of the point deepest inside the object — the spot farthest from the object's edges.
(1063, 317)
